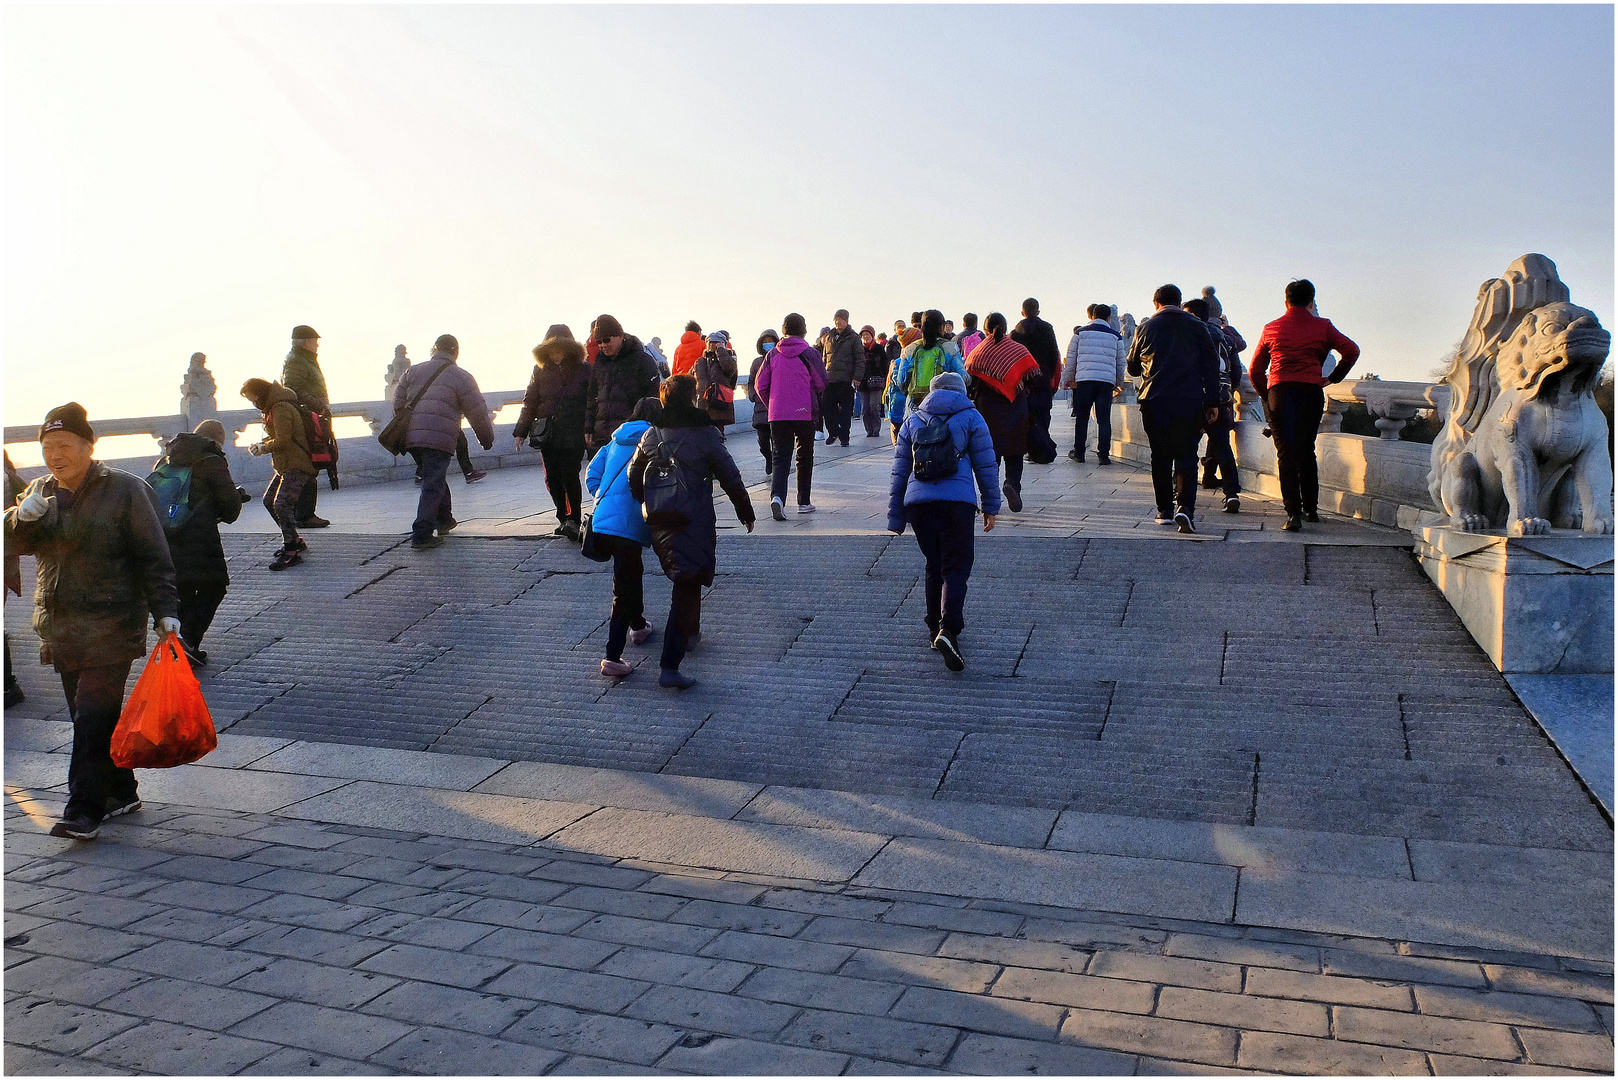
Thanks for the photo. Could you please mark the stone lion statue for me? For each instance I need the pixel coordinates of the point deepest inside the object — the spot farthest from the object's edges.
(1524, 446)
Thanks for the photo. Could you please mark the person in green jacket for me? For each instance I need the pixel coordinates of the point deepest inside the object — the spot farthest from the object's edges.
(302, 375)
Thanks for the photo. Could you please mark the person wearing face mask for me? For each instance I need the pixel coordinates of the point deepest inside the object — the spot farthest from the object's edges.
(761, 409)
(103, 569)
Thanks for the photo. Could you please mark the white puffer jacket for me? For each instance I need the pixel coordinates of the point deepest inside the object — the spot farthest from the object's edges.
(1096, 354)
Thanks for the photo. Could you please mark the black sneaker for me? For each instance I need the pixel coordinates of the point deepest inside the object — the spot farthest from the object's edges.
(1164, 517)
(1074, 455)
(1233, 505)
(430, 542)
(950, 650)
(448, 525)
(1294, 524)
(76, 828)
(475, 475)
(1312, 516)
(418, 481)
(129, 807)
(1102, 459)
(284, 559)
(1183, 521)
(313, 523)
(570, 529)
(14, 695)
(197, 657)
(1013, 496)
(1210, 481)
(673, 680)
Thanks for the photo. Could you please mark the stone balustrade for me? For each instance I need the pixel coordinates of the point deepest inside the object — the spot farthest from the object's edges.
(1391, 404)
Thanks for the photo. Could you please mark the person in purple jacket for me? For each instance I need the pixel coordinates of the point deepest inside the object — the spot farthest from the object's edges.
(791, 381)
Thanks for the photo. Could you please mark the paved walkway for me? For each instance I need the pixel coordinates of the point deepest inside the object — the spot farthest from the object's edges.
(1286, 819)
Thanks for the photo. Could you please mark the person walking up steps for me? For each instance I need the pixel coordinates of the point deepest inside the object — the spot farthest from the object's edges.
(447, 392)
(1001, 373)
(671, 474)
(552, 421)
(620, 531)
(791, 381)
(1094, 372)
(926, 357)
(1039, 337)
(1178, 364)
(286, 440)
(1286, 370)
(970, 336)
(943, 447)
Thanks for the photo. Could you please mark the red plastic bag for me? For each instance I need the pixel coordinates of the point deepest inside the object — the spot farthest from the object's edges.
(165, 722)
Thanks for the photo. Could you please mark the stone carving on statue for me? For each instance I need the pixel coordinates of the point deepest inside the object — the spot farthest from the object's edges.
(199, 394)
(396, 371)
(1524, 446)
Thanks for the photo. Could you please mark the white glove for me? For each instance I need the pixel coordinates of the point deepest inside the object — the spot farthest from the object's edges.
(34, 502)
(256, 449)
(165, 627)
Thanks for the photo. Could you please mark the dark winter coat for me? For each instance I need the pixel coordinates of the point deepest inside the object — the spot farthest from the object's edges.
(435, 423)
(1008, 420)
(1175, 358)
(285, 433)
(557, 389)
(717, 369)
(14, 490)
(617, 383)
(195, 548)
(876, 366)
(761, 408)
(1039, 337)
(103, 569)
(302, 375)
(699, 454)
(845, 357)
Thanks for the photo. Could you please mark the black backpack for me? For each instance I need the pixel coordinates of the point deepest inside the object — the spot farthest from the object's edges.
(934, 453)
(664, 499)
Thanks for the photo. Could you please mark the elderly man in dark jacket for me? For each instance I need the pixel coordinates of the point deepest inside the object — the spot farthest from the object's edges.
(845, 371)
(302, 375)
(448, 392)
(200, 571)
(1177, 362)
(620, 376)
(102, 568)
(1039, 337)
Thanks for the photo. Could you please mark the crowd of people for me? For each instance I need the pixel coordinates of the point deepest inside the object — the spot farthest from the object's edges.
(964, 410)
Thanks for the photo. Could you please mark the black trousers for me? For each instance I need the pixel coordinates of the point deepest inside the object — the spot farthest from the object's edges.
(782, 434)
(1295, 410)
(1173, 429)
(628, 594)
(284, 500)
(562, 481)
(433, 506)
(1012, 464)
(1219, 460)
(766, 446)
(944, 533)
(95, 697)
(11, 679)
(871, 401)
(1039, 408)
(305, 507)
(1089, 396)
(839, 405)
(463, 454)
(685, 619)
(198, 605)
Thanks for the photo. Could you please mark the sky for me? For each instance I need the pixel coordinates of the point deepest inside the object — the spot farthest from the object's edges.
(202, 178)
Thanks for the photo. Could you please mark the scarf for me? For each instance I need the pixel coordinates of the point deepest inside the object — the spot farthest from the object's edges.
(1002, 364)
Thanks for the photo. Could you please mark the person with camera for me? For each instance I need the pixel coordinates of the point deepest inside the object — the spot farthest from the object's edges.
(552, 421)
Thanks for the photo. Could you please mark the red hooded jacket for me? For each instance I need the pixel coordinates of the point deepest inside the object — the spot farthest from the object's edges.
(687, 353)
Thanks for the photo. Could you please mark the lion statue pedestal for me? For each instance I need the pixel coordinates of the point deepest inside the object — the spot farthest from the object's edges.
(1523, 548)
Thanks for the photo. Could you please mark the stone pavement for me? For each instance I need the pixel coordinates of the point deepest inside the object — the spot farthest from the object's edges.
(1258, 803)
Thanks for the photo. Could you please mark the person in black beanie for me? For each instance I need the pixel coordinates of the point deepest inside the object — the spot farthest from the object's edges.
(103, 569)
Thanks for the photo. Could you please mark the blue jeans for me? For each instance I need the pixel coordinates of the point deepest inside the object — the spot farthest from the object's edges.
(1091, 395)
(433, 509)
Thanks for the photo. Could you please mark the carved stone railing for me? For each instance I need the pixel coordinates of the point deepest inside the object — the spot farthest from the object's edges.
(1391, 404)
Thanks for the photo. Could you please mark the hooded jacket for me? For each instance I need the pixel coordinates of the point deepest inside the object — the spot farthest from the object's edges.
(285, 435)
(556, 390)
(687, 352)
(700, 456)
(617, 512)
(103, 569)
(1176, 359)
(791, 380)
(195, 547)
(1097, 353)
(436, 422)
(302, 375)
(845, 357)
(972, 441)
(617, 383)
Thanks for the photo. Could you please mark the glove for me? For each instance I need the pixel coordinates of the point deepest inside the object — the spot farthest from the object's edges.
(241, 493)
(34, 502)
(165, 627)
(256, 449)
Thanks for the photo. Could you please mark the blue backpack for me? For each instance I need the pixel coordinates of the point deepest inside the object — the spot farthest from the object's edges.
(933, 450)
(173, 486)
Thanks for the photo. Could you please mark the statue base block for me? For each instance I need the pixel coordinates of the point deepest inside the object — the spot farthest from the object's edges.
(1537, 604)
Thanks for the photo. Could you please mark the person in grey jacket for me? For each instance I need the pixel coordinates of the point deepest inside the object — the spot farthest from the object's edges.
(435, 424)
(845, 371)
(1094, 371)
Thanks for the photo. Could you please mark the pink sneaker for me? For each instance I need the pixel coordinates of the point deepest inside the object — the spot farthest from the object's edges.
(642, 636)
(616, 669)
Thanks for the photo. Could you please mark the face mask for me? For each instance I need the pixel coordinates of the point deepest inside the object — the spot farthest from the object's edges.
(769, 346)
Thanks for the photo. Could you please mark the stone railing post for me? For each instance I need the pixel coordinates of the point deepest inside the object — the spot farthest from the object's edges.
(199, 394)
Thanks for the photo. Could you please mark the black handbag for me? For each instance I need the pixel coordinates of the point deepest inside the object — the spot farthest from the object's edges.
(539, 433)
(395, 435)
(587, 545)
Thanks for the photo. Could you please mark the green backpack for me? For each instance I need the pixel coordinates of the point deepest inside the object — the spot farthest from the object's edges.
(173, 486)
(923, 366)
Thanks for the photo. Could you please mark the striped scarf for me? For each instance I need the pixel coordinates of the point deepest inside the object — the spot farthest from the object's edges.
(1002, 364)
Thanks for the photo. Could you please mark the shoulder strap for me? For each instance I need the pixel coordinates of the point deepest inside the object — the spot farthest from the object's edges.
(430, 380)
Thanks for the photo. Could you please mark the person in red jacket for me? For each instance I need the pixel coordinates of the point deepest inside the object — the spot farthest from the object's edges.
(688, 351)
(1286, 369)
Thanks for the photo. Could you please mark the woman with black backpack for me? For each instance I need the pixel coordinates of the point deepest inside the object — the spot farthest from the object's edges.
(552, 420)
(671, 474)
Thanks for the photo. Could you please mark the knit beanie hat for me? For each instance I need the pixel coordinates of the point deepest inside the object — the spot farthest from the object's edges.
(212, 429)
(607, 328)
(559, 330)
(70, 418)
(868, 329)
(948, 380)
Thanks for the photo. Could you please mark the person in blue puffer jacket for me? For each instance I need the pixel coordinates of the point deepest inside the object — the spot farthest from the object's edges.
(620, 529)
(942, 511)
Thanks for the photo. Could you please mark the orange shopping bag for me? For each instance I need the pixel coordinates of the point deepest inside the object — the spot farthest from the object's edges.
(165, 722)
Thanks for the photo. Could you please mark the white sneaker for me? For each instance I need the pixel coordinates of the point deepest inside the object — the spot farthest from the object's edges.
(777, 510)
(806, 508)
(820, 436)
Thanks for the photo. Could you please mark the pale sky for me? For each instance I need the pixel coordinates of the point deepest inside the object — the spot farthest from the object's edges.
(202, 178)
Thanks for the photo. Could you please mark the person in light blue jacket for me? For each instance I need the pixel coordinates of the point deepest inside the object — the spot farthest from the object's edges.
(942, 511)
(620, 529)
